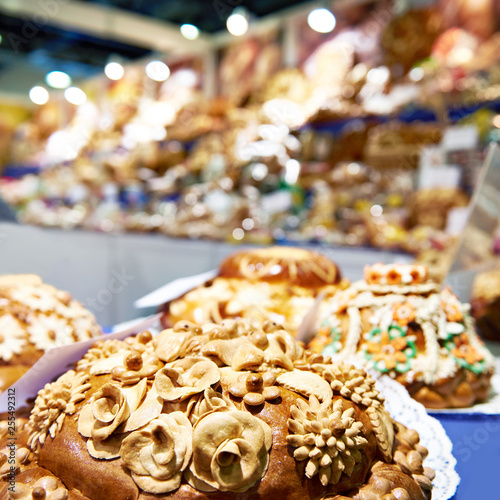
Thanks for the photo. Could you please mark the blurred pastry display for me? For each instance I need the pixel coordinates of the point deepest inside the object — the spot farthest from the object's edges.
(430, 207)
(222, 410)
(409, 38)
(35, 317)
(398, 322)
(276, 283)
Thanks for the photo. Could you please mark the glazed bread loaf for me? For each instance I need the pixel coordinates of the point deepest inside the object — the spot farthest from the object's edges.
(277, 283)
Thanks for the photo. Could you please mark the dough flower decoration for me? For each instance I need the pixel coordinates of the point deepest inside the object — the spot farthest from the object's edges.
(136, 367)
(327, 340)
(183, 339)
(38, 298)
(46, 488)
(230, 452)
(178, 380)
(260, 351)
(404, 313)
(372, 275)
(48, 331)
(158, 454)
(106, 411)
(101, 350)
(453, 311)
(390, 350)
(393, 276)
(465, 354)
(328, 437)
(255, 388)
(9, 466)
(54, 402)
(351, 383)
(12, 337)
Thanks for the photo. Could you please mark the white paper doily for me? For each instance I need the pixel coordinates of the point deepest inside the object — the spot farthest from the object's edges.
(413, 415)
(490, 407)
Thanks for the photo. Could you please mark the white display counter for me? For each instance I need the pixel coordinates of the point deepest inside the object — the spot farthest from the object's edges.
(108, 272)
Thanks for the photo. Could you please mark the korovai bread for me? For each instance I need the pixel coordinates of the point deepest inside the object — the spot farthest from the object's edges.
(398, 322)
(213, 412)
(277, 283)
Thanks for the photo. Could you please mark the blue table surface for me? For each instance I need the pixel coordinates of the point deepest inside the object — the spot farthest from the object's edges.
(476, 446)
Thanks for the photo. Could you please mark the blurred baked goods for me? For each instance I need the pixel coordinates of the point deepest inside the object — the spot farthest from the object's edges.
(398, 322)
(430, 207)
(219, 411)
(485, 303)
(277, 283)
(34, 317)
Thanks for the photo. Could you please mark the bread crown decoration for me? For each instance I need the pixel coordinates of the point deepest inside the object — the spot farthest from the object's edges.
(182, 407)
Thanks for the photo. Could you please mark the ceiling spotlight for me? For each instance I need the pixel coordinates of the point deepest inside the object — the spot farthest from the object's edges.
(190, 31)
(237, 22)
(75, 96)
(58, 79)
(157, 71)
(39, 95)
(321, 20)
(114, 71)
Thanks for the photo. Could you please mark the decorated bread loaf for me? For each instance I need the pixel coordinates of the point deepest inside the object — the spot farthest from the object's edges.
(277, 283)
(35, 317)
(396, 321)
(219, 411)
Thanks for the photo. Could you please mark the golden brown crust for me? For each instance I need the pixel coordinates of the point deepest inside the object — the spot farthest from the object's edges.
(9, 374)
(460, 391)
(295, 266)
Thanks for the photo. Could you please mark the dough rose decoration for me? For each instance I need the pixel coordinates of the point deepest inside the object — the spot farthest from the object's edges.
(328, 437)
(100, 418)
(230, 451)
(158, 454)
(210, 402)
(230, 408)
